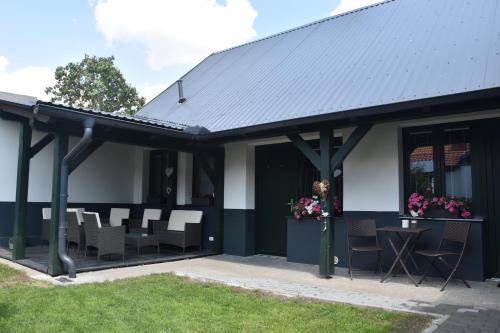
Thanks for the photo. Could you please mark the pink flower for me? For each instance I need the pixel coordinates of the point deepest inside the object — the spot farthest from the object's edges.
(466, 214)
(452, 209)
(318, 218)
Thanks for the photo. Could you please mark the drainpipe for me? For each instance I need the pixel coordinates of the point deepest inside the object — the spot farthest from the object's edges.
(86, 139)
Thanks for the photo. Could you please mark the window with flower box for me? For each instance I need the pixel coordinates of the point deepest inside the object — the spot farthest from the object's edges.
(438, 161)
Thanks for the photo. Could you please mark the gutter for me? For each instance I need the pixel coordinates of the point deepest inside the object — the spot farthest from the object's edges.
(86, 139)
(79, 116)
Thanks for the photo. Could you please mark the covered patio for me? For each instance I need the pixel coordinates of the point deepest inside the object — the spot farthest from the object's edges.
(75, 134)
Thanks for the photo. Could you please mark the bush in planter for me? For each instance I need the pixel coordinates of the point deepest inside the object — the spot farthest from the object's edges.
(419, 205)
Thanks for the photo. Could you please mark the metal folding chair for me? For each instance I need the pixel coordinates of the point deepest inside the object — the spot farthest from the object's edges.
(453, 233)
(363, 230)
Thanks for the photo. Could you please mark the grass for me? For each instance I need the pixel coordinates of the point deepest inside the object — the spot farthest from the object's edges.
(167, 303)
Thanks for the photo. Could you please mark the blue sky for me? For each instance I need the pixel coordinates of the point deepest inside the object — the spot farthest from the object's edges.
(154, 41)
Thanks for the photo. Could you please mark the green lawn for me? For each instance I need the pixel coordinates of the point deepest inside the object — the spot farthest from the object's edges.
(166, 303)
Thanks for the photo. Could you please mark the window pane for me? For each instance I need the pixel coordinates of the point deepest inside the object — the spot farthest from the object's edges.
(421, 162)
(457, 163)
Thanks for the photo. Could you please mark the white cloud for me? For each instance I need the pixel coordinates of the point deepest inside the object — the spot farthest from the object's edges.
(31, 80)
(151, 91)
(348, 5)
(176, 31)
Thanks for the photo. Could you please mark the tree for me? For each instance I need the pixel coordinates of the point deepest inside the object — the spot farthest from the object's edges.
(95, 83)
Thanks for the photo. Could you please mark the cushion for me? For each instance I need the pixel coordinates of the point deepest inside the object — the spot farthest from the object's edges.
(46, 213)
(98, 219)
(117, 215)
(150, 214)
(179, 218)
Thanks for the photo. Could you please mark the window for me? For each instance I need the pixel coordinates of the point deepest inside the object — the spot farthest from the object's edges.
(457, 163)
(437, 159)
(203, 189)
(421, 162)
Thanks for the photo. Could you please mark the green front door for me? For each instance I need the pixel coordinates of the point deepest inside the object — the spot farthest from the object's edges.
(276, 185)
(493, 223)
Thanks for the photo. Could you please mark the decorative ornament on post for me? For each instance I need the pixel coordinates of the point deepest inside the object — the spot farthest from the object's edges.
(322, 189)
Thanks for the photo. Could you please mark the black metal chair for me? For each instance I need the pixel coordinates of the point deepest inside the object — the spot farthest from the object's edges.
(454, 234)
(362, 237)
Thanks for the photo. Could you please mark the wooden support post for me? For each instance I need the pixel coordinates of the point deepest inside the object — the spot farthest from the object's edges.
(326, 263)
(21, 208)
(91, 148)
(60, 150)
(219, 200)
(304, 147)
(356, 136)
(37, 147)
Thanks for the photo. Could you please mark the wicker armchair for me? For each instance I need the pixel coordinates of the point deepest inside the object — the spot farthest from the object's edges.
(183, 229)
(107, 240)
(75, 232)
(136, 225)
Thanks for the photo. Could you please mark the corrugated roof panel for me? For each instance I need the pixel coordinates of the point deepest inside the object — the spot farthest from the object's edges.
(397, 51)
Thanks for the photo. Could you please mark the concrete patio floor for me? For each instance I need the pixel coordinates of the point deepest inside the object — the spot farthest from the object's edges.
(458, 308)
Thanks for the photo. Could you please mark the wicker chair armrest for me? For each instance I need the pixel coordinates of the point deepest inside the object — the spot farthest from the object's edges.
(159, 226)
(133, 223)
(115, 233)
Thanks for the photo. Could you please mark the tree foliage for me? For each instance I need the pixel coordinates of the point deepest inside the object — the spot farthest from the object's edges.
(95, 83)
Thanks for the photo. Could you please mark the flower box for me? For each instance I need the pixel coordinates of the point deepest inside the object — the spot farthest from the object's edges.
(441, 213)
(303, 240)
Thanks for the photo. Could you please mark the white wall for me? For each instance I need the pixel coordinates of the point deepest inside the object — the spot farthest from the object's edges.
(239, 176)
(112, 174)
(371, 171)
(9, 145)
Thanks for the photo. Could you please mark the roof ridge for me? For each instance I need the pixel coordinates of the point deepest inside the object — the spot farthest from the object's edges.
(384, 2)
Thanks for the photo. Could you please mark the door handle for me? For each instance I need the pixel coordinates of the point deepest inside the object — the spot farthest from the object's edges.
(290, 204)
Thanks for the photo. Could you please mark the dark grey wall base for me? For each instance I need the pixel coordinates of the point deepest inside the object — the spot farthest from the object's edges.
(303, 244)
(472, 267)
(33, 230)
(239, 232)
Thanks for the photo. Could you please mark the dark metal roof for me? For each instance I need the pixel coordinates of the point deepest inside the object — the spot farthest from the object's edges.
(393, 52)
(16, 99)
(119, 116)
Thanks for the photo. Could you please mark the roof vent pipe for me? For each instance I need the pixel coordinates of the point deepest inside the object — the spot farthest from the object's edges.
(182, 99)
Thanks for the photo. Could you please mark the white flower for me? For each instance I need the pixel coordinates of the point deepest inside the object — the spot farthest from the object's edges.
(322, 187)
(324, 214)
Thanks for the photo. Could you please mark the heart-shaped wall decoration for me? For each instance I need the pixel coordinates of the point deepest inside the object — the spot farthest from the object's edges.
(169, 171)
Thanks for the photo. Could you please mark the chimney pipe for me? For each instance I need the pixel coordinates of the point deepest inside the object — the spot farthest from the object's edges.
(182, 99)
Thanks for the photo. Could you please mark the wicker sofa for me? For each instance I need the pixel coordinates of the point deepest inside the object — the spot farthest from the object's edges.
(183, 229)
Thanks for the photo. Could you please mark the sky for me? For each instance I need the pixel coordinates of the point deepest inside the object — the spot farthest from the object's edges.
(154, 42)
